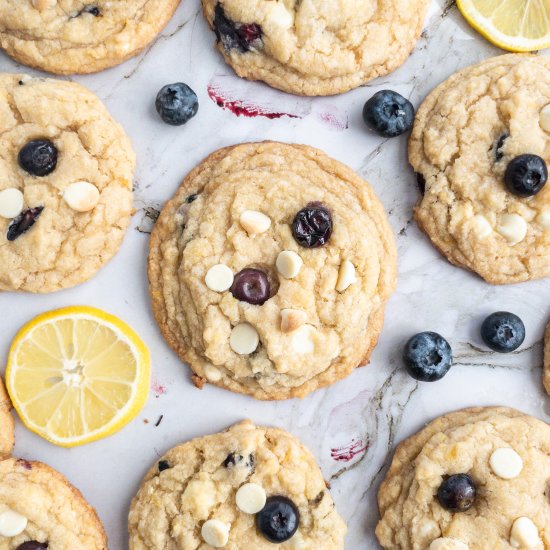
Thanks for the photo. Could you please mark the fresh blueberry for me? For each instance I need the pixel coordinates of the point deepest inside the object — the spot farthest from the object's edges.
(278, 520)
(499, 145)
(252, 286)
(388, 113)
(38, 157)
(23, 222)
(177, 103)
(526, 175)
(32, 545)
(163, 465)
(457, 493)
(427, 356)
(312, 226)
(235, 36)
(503, 331)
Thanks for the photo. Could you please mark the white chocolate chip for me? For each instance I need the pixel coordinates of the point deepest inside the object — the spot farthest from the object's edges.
(506, 463)
(11, 203)
(524, 534)
(254, 222)
(302, 341)
(244, 339)
(543, 219)
(81, 196)
(513, 228)
(291, 319)
(289, 264)
(250, 498)
(346, 276)
(445, 543)
(44, 4)
(279, 15)
(544, 118)
(215, 532)
(212, 373)
(481, 226)
(12, 523)
(219, 278)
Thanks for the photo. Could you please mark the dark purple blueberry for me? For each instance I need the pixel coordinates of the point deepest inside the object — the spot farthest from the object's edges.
(235, 36)
(232, 459)
(499, 145)
(312, 226)
(427, 356)
(278, 520)
(92, 10)
(503, 331)
(421, 182)
(526, 175)
(176, 103)
(388, 113)
(191, 198)
(23, 222)
(38, 157)
(24, 463)
(252, 286)
(457, 493)
(163, 465)
(32, 545)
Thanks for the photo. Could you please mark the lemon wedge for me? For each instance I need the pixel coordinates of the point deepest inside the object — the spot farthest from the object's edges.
(77, 374)
(514, 25)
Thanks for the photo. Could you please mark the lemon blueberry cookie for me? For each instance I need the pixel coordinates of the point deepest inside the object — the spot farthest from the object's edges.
(471, 480)
(247, 487)
(317, 47)
(270, 268)
(40, 509)
(480, 147)
(66, 188)
(6, 423)
(74, 36)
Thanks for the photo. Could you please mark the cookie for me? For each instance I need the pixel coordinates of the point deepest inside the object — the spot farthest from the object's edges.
(465, 146)
(270, 268)
(38, 504)
(66, 189)
(220, 490)
(6, 423)
(315, 48)
(71, 36)
(546, 367)
(492, 464)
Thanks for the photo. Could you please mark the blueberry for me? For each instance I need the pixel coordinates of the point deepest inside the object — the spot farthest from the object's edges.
(278, 520)
(428, 356)
(32, 545)
(38, 157)
(23, 222)
(235, 459)
(177, 103)
(312, 226)
(526, 175)
(235, 36)
(503, 331)
(499, 145)
(163, 465)
(457, 493)
(252, 286)
(388, 113)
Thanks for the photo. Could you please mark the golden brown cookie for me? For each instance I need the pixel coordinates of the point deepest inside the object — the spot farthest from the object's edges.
(6, 423)
(246, 303)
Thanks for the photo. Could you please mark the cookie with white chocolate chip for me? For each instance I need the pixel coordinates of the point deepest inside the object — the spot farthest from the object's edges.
(270, 268)
(40, 509)
(72, 36)
(66, 189)
(6, 423)
(479, 147)
(475, 479)
(246, 487)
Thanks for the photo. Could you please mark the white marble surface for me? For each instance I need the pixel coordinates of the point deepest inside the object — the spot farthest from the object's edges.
(377, 405)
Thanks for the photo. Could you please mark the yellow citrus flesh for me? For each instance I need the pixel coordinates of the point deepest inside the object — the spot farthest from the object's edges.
(514, 25)
(77, 374)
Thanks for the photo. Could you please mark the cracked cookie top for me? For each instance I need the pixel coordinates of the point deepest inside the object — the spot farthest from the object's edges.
(75, 36)
(212, 488)
(270, 268)
(503, 456)
(6, 423)
(474, 139)
(316, 47)
(38, 504)
(66, 188)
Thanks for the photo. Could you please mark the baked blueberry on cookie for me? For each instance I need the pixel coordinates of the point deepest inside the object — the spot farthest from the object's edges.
(475, 479)
(480, 149)
(270, 268)
(75, 36)
(6, 423)
(66, 187)
(40, 509)
(316, 47)
(247, 487)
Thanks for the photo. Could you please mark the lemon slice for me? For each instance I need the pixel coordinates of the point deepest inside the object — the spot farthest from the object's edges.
(77, 374)
(514, 25)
